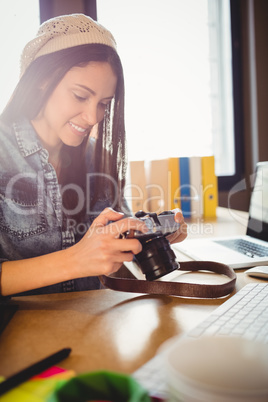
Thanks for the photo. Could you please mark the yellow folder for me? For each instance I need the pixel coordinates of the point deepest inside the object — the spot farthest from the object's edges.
(210, 186)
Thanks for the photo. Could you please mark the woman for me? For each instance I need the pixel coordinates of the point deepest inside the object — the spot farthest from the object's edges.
(63, 163)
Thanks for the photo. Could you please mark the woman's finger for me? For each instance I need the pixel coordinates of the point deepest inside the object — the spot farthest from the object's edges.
(107, 215)
(178, 215)
(118, 228)
(179, 235)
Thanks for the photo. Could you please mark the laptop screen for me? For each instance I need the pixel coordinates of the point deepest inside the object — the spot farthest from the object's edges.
(258, 210)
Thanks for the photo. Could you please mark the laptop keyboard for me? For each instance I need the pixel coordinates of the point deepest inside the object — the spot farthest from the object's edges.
(245, 314)
(245, 247)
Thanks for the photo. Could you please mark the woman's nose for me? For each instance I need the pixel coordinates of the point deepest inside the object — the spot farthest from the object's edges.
(91, 115)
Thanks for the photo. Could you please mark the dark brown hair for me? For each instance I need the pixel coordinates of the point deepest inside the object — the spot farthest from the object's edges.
(30, 97)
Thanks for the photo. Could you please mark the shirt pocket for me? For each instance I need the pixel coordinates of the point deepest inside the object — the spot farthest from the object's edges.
(22, 205)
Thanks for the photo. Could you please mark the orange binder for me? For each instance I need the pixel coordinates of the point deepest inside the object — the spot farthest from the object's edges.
(158, 188)
(174, 183)
(138, 193)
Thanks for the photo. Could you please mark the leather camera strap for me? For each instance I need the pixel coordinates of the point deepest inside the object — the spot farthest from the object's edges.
(183, 289)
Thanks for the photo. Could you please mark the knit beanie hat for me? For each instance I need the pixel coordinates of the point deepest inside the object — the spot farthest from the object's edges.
(64, 32)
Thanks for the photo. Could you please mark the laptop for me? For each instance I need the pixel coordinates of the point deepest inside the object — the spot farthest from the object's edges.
(244, 251)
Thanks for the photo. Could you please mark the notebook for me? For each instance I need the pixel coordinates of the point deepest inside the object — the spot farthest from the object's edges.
(244, 251)
(243, 315)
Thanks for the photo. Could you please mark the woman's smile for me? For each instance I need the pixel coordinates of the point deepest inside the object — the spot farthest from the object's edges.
(78, 130)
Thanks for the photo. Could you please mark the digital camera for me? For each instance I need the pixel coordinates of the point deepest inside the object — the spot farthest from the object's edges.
(156, 258)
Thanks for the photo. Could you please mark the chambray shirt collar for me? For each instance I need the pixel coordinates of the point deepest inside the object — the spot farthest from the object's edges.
(27, 139)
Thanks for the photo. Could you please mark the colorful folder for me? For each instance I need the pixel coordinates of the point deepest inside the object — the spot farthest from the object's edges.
(210, 186)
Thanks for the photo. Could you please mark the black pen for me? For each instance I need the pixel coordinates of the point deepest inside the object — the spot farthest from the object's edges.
(34, 369)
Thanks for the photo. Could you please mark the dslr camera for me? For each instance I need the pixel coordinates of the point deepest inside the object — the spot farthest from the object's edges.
(156, 258)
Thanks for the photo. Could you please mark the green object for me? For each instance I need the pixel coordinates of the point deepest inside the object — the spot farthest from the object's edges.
(100, 385)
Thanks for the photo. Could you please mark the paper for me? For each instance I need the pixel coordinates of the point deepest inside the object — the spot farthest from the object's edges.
(39, 387)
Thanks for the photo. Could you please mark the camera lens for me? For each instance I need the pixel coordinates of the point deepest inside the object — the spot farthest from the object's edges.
(156, 258)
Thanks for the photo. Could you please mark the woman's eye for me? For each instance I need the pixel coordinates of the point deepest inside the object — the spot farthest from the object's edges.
(80, 98)
(104, 105)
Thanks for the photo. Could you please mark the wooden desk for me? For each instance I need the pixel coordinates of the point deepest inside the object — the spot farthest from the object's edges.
(105, 329)
(228, 222)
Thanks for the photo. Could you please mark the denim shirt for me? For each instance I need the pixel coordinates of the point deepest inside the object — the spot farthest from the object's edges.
(31, 204)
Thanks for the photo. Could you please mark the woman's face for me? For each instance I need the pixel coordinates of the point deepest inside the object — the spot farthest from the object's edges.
(76, 104)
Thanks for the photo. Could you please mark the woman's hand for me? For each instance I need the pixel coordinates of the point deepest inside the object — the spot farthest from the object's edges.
(181, 233)
(101, 251)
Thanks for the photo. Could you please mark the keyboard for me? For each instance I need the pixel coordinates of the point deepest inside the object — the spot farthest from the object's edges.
(245, 314)
(245, 247)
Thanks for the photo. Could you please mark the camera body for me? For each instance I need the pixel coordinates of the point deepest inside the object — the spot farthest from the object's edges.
(156, 258)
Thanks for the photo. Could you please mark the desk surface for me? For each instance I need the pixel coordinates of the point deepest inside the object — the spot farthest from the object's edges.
(105, 329)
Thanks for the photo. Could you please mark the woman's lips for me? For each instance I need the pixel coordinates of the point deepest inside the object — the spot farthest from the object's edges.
(78, 129)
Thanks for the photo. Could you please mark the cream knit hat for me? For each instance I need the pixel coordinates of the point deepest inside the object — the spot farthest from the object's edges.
(63, 32)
